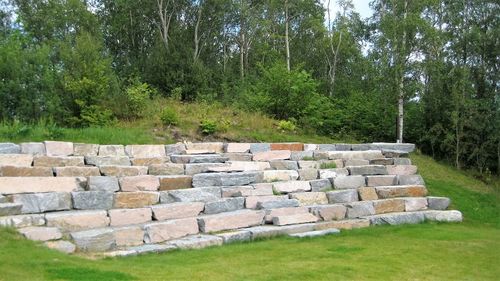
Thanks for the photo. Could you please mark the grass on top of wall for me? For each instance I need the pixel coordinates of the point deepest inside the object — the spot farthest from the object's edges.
(431, 251)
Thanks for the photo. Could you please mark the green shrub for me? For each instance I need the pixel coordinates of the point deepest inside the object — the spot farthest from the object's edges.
(176, 93)
(138, 95)
(208, 126)
(286, 126)
(328, 165)
(169, 117)
(308, 158)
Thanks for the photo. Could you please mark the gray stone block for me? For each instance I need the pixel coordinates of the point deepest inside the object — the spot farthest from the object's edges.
(406, 147)
(402, 161)
(316, 233)
(9, 148)
(360, 146)
(235, 236)
(360, 209)
(3, 199)
(198, 168)
(438, 203)
(384, 180)
(382, 161)
(278, 204)
(411, 180)
(35, 148)
(347, 182)
(107, 160)
(259, 147)
(368, 170)
(92, 200)
(224, 205)
(327, 147)
(299, 155)
(197, 242)
(283, 165)
(397, 218)
(320, 185)
(95, 240)
(201, 194)
(227, 179)
(342, 196)
(9, 209)
(443, 216)
(308, 174)
(43, 202)
(109, 184)
(356, 162)
(178, 148)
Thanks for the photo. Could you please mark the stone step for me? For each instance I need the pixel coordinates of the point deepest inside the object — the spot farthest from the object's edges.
(316, 233)
(294, 219)
(415, 217)
(230, 220)
(9, 209)
(14, 185)
(401, 191)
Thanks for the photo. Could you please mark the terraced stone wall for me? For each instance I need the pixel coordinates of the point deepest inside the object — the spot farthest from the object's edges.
(126, 200)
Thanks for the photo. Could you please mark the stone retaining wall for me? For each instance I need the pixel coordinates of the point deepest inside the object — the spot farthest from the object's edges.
(132, 199)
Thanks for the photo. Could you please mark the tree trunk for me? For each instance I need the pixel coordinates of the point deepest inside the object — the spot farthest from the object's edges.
(165, 17)
(196, 52)
(287, 39)
(402, 62)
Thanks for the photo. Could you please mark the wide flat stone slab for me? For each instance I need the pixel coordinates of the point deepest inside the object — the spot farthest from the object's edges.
(109, 184)
(123, 171)
(368, 170)
(230, 220)
(278, 204)
(18, 171)
(145, 151)
(14, 185)
(402, 170)
(279, 175)
(9, 148)
(197, 242)
(177, 210)
(58, 148)
(9, 209)
(16, 159)
(342, 196)
(224, 205)
(443, 216)
(168, 230)
(43, 202)
(332, 173)
(258, 189)
(107, 160)
(85, 149)
(291, 186)
(385, 180)
(401, 191)
(316, 233)
(251, 202)
(166, 169)
(22, 220)
(272, 155)
(366, 155)
(310, 198)
(270, 213)
(120, 217)
(226, 179)
(348, 182)
(175, 182)
(139, 183)
(111, 150)
(77, 220)
(200, 194)
(69, 171)
(294, 219)
(58, 161)
(135, 199)
(235, 236)
(39, 233)
(389, 205)
(329, 212)
(128, 236)
(92, 200)
(397, 218)
(95, 240)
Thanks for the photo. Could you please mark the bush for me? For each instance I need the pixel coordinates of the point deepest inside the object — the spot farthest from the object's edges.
(169, 117)
(328, 165)
(208, 126)
(138, 95)
(286, 126)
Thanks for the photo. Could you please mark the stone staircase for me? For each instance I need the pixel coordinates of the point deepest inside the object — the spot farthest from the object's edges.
(125, 200)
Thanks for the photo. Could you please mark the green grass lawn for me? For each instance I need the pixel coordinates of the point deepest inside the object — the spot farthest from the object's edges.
(465, 251)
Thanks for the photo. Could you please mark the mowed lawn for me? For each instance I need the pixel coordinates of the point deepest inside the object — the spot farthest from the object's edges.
(465, 251)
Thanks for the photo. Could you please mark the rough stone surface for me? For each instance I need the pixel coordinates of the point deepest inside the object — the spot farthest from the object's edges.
(238, 147)
(321, 185)
(175, 182)
(291, 186)
(43, 202)
(365, 155)
(308, 174)
(406, 147)
(329, 212)
(139, 183)
(145, 151)
(203, 158)
(243, 166)
(389, 205)
(402, 161)
(316, 233)
(107, 160)
(57, 161)
(206, 147)
(402, 170)
(85, 149)
(148, 161)
(77, 220)
(230, 220)
(123, 171)
(332, 173)
(61, 246)
(135, 199)
(16, 160)
(367, 193)
(308, 164)
(197, 242)
(39, 233)
(77, 171)
(360, 209)
(3, 199)
(342, 196)
(58, 148)
(259, 147)
(119, 217)
(109, 184)
(95, 240)
(166, 169)
(9, 209)
(18, 171)
(401, 191)
(258, 189)
(272, 155)
(92, 200)
(9, 148)
(34, 148)
(128, 236)
(270, 213)
(177, 210)
(326, 147)
(381, 180)
(310, 198)
(415, 204)
(299, 155)
(410, 180)
(283, 165)
(438, 203)
(279, 175)
(251, 202)
(168, 230)
(278, 204)
(397, 218)
(13, 185)
(178, 148)
(368, 170)
(238, 156)
(287, 146)
(356, 162)
(224, 205)
(235, 236)
(382, 161)
(294, 219)
(22, 220)
(111, 150)
(443, 216)
(201, 194)
(226, 179)
(198, 168)
(347, 182)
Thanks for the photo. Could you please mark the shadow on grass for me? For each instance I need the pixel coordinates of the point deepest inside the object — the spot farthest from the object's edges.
(86, 274)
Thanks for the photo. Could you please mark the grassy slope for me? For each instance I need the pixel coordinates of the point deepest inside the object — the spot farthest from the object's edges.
(466, 251)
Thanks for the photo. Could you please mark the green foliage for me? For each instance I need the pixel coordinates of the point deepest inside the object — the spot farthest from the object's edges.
(328, 165)
(286, 125)
(168, 116)
(138, 96)
(208, 126)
